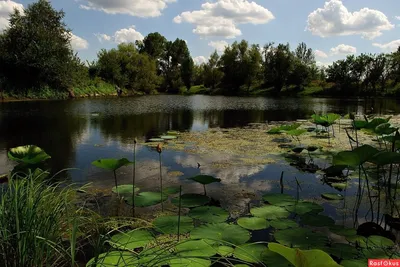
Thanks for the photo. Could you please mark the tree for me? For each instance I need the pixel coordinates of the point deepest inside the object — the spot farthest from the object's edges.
(304, 55)
(252, 63)
(277, 65)
(153, 44)
(212, 73)
(36, 50)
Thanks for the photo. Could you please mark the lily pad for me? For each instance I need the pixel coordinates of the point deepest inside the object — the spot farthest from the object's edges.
(300, 238)
(191, 200)
(354, 263)
(357, 240)
(205, 179)
(189, 262)
(282, 224)
(253, 223)
(379, 242)
(114, 258)
(317, 220)
(195, 248)
(227, 233)
(312, 148)
(171, 190)
(154, 140)
(332, 196)
(28, 154)
(296, 132)
(270, 212)
(111, 164)
(168, 137)
(131, 240)
(274, 259)
(281, 200)
(356, 157)
(147, 199)
(250, 252)
(298, 149)
(342, 251)
(209, 214)
(225, 251)
(173, 133)
(376, 253)
(340, 230)
(304, 207)
(339, 186)
(126, 189)
(169, 224)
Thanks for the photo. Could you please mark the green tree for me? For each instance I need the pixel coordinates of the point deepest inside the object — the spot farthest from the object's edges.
(278, 62)
(36, 50)
(212, 73)
(153, 44)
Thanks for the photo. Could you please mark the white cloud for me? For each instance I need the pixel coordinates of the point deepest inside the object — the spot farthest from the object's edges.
(138, 8)
(78, 43)
(343, 49)
(219, 45)
(320, 54)
(128, 35)
(390, 47)
(397, 17)
(199, 60)
(334, 19)
(6, 8)
(221, 18)
(323, 64)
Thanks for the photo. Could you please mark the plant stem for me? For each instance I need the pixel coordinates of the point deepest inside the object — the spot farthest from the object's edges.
(133, 179)
(116, 183)
(179, 212)
(205, 192)
(281, 182)
(161, 185)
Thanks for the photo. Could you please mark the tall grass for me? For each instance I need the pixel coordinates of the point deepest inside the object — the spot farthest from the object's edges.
(38, 224)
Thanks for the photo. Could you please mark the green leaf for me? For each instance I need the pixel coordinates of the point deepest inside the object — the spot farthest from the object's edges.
(171, 190)
(191, 200)
(274, 259)
(131, 240)
(205, 179)
(385, 158)
(225, 251)
(147, 199)
(332, 196)
(280, 200)
(289, 127)
(376, 253)
(250, 252)
(169, 224)
(342, 251)
(375, 123)
(126, 189)
(340, 230)
(282, 224)
(385, 128)
(317, 220)
(354, 158)
(114, 258)
(296, 132)
(304, 207)
(379, 242)
(275, 130)
(360, 124)
(189, 262)
(156, 140)
(339, 186)
(195, 248)
(354, 263)
(168, 137)
(232, 234)
(270, 212)
(253, 223)
(359, 241)
(173, 133)
(209, 214)
(304, 258)
(28, 155)
(111, 164)
(300, 238)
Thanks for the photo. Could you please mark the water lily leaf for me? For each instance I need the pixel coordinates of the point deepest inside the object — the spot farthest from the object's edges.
(282, 224)
(300, 238)
(189, 262)
(379, 242)
(209, 214)
(274, 259)
(332, 196)
(275, 130)
(375, 123)
(360, 124)
(111, 164)
(191, 200)
(156, 140)
(376, 253)
(340, 230)
(304, 207)
(270, 212)
(28, 154)
(359, 241)
(317, 220)
(205, 179)
(298, 149)
(296, 132)
(114, 258)
(289, 127)
(334, 170)
(131, 240)
(173, 133)
(171, 190)
(301, 258)
(342, 251)
(225, 251)
(354, 263)
(229, 233)
(195, 248)
(354, 158)
(147, 199)
(253, 223)
(385, 128)
(339, 186)
(250, 252)
(126, 189)
(169, 224)
(385, 158)
(312, 148)
(281, 200)
(168, 137)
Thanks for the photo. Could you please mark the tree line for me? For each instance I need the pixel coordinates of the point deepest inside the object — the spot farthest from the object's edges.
(35, 54)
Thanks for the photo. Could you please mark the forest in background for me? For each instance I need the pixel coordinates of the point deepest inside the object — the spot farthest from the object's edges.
(37, 61)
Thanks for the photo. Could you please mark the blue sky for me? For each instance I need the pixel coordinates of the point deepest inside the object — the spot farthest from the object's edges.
(335, 28)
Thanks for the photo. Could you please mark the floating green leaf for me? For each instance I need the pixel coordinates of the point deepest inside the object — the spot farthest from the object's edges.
(304, 207)
(332, 196)
(156, 140)
(173, 133)
(300, 238)
(275, 130)
(339, 186)
(189, 262)
(195, 248)
(168, 137)
(379, 242)
(253, 223)
(296, 132)
(354, 158)
(340, 230)
(289, 127)
(126, 189)
(302, 258)
(250, 252)
(205, 179)
(131, 240)
(359, 241)
(209, 214)
(281, 200)
(114, 258)
(191, 200)
(169, 224)
(270, 212)
(376, 253)
(385, 128)
(342, 251)
(111, 164)
(225, 251)
(385, 158)
(274, 259)
(147, 199)
(171, 190)
(28, 155)
(354, 263)
(317, 220)
(224, 232)
(282, 224)
(360, 124)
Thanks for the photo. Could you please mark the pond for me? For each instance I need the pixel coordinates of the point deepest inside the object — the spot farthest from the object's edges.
(78, 132)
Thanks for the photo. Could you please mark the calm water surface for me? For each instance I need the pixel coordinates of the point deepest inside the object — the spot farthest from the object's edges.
(77, 132)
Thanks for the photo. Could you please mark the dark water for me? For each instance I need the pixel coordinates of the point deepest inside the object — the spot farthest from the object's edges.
(77, 132)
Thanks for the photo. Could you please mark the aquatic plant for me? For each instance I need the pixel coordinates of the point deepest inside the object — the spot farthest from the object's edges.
(28, 158)
(159, 151)
(134, 177)
(205, 180)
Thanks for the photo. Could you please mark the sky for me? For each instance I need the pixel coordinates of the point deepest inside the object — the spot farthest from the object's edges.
(333, 28)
